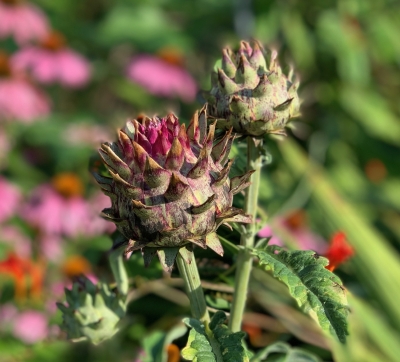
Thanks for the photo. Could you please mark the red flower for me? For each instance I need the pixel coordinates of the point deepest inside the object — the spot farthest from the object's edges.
(339, 250)
(26, 274)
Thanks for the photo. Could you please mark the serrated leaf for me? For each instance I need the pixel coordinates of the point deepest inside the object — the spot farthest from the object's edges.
(215, 342)
(318, 292)
(285, 353)
(198, 347)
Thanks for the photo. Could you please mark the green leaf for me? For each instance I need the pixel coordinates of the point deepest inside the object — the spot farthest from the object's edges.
(284, 353)
(318, 292)
(217, 302)
(214, 343)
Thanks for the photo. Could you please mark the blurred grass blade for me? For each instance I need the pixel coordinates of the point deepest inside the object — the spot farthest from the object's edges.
(372, 112)
(286, 354)
(366, 324)
(376, 260)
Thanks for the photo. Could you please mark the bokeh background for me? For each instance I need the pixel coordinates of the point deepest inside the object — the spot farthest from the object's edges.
(338, 171)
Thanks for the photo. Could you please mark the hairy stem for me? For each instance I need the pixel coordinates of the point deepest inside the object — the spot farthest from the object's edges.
(118, 269)
(190, 276)
(245, 260)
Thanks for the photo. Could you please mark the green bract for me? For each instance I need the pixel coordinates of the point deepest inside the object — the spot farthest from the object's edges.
(252, 97)
(169, 186)
(92, 312)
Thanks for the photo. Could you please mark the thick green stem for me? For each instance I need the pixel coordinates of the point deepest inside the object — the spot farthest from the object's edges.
(190, 275)
(119, 271)
(245, 260)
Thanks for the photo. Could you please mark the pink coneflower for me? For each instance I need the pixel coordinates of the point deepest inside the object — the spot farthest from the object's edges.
(60, 209)
(268, 233)
(19, 98)
(10, 197)
(51, 247)
(292, 230)
(163, 76)
(98, 225)
(53, 62)
(8, 312)
(22, 21)
(16, 239)
(30, 326)
(86, 133)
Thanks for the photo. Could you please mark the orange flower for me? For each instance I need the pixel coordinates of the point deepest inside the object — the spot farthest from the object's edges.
(75, 266)
(375, 170)
(26, 274)
(173, 353)
(339, 250)
(254, 332)
(296, 220)
(53, 41)
(5, 68)
(67, 184)
(171, 55)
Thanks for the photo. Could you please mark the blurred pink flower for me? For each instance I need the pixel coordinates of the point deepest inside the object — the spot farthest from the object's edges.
(140, 356)
(98, 225)
(59, 209)
(18, 241)
(307, 240)
(30, 326)
(54, 214)
(21, 20)
(19, 98)
(51, 247)
(86, 133)
(267, 232)
(10, 197)
(53, 62)
(294, 228)
(162, 78)
(8, 312)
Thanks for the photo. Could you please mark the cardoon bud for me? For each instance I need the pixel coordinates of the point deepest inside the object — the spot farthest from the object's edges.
(92, 311)
(253, 97)
(169, 186)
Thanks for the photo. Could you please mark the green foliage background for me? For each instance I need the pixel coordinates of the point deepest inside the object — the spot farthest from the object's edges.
(347, 54)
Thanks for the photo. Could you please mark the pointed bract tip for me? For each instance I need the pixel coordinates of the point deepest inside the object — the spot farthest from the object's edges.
(176, 189)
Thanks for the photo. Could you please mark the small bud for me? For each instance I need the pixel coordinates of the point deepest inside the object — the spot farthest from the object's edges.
(93, 312)
(258, 100)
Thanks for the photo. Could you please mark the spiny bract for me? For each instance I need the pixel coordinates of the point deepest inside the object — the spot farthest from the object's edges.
(170, 187)
(92, 313)
(253, 98)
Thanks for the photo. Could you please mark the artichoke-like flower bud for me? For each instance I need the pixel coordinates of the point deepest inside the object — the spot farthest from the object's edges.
(253, 97)
(170, 186)
(92, 311)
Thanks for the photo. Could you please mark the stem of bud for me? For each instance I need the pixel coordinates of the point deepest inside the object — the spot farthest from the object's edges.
(245, 259)
(119, 271)
(190, 275)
